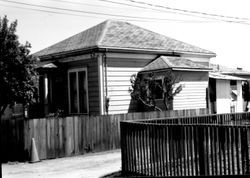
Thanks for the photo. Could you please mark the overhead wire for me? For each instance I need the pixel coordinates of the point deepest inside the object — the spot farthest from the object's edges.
(71, 14)
(126, 17)
(184, 10)
(149, 8)
(96, 13)
(82, 3)
(161, 10)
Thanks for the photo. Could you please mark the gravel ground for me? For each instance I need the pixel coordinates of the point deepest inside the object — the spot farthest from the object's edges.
(89, 165)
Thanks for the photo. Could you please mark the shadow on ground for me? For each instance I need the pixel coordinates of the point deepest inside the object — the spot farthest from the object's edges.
(113, 174)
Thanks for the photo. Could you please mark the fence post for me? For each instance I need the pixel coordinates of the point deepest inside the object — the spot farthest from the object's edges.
(248, 151)
(201, 150)
(123, 145)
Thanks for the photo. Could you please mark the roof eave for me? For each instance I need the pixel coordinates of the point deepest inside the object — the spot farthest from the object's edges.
(236, 73)
(179, 69)
(66, 53)
(101, 48)
(196, 53)
(192, 69)
(135, 50)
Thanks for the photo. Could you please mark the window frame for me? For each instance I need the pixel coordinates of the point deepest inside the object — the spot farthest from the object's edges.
(77, 70)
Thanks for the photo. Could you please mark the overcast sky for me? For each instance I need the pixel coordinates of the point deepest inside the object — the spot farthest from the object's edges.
(45, 22)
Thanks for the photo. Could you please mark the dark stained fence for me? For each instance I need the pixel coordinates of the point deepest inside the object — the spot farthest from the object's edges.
(163, 147)
(12, 138)
(74, 135)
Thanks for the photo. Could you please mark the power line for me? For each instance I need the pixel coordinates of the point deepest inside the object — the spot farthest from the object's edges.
(187, 11)
(64, 13)
(183, 12)
(78, 15)
(135, 6)
(162, 10)
(126, 17)
(47, 11)
(97, 13)
(81, 3)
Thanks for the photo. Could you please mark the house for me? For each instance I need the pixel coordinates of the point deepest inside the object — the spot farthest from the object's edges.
(238, 72)
(226, 89)
(89, 73)
(193, 78)
(225, 93)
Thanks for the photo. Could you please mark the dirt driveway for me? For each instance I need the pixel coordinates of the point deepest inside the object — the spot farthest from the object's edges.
(89, 165)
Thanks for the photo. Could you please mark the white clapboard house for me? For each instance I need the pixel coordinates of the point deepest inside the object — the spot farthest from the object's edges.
(89, 73)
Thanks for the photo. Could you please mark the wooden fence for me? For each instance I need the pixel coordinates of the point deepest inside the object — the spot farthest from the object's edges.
(192, 146)
(74, 135)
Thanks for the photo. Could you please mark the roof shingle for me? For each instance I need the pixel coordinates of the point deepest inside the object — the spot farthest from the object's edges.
(118, 35)
(165, 62)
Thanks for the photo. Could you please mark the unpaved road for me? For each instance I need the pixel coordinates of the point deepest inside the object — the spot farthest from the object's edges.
(89, 165)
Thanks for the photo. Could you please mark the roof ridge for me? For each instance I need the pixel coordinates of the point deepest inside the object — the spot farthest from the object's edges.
(166, 61)
(103, 32)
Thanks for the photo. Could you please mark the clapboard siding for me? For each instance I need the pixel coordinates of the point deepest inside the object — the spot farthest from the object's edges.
(118, 88)
(119, 72)
(93, 85)
(121, 97)
(193, 95)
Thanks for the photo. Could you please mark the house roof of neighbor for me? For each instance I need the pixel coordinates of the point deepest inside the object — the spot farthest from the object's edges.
(118, 35)
(227, 70)
(220, 76)
(174, 63)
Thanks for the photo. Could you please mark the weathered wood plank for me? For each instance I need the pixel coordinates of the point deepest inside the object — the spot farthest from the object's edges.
(42, 140)
(69, 142)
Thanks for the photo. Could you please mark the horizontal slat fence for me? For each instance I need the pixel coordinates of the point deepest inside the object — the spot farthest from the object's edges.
(167, 148)
(74, 135)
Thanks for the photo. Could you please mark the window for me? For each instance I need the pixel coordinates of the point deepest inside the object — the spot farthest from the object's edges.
(158, 89)
(155, 86)
(78, 91)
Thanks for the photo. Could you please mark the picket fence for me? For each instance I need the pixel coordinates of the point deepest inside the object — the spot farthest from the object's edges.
(209, 145)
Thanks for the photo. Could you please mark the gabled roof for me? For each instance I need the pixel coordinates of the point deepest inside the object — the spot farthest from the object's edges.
(113, 34)
(174, 63)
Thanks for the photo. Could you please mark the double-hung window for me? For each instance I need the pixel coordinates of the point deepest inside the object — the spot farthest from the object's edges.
(78, 91)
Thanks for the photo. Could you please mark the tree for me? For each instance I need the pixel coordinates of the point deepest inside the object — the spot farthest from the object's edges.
(170, 89)
(17, 68)
(145, 89)
(246, 94)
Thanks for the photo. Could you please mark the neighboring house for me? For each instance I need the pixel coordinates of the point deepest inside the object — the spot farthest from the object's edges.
(226, 89)
(193, 78)
(225, 93)
(238, 72)
(91, 71)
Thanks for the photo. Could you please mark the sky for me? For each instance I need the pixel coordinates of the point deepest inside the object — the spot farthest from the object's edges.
(226, 31)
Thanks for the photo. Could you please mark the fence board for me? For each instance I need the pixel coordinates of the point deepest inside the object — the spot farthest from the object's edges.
(42, 141)
(60, 137)
(69, 140)
(61, 131)
(205, 145)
